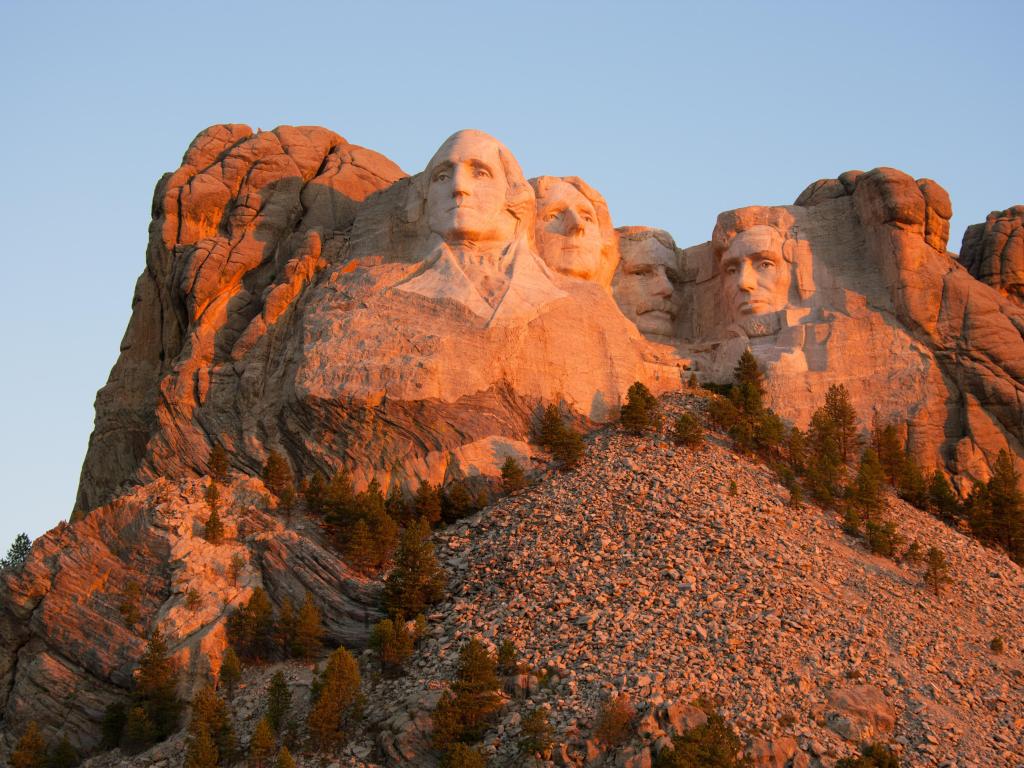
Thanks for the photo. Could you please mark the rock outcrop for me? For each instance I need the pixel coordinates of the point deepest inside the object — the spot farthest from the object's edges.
(993, 252)
(69, 643)
(860, 290)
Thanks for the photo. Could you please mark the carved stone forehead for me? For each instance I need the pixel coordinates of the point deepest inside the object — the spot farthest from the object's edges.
(757, 239)
(561, 190)
(473, 143)
(647, 251)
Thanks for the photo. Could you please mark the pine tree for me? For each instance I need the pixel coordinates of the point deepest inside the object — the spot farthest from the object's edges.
(866, 490)
(279, 702)
(936, 574)
(475, 688)
(457, 502)
(641, 411)
(218, 464)
(911, 484)
(416, 580)
(393, 643)
(277, 476)
(17, 554)
(568, 448)
(138, 733)
(63, 755)
(549, 427)
(843, 417)
(796, 451)
(251, 627)
(537, 735)
(285, 624)
(748, 384)
(201, 752)
(427, 503)
(512, 476)
(212, 496)
(825, 464)
(339, 501)
(156, 687)
(262, 744)
(309, 629)
(337, 696)
(383, 536)
(1006, 507)
(213, 532)
(210, 714)
(114, 717)
(889, 448)
(315, 492)
(941, 496)
(398, 507)
(687, 431)
(284, 759)
(508, 657)
(359, 549)
(230, 672)
(30, 751)
(463, 756)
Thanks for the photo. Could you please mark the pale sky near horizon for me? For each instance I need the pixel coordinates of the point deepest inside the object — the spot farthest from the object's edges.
(674, 111)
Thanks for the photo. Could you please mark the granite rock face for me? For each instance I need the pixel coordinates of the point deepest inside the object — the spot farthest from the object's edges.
(67, 649)
(993, 252)
(853, 285)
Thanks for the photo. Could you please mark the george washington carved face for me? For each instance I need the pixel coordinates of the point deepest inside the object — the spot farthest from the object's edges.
(467, 190)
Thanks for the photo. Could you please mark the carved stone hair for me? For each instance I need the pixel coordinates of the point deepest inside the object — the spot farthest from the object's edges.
(519, 198)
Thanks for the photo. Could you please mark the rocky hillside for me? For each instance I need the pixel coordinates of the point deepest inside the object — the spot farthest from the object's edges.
(641, 572)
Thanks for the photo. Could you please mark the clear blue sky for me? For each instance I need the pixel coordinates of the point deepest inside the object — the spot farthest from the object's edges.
(674, 111)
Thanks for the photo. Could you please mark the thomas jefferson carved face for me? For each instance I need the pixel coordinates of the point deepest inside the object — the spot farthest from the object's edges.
(568, 232)
(467, 191)
(645, 285)
(755, 275)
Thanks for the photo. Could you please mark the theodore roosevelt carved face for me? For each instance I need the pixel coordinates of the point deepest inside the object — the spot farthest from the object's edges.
(755, 274)
(574, 230)
(646, 283)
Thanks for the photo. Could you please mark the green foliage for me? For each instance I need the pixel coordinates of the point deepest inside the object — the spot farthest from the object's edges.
(230, 672)
(314, 491)
(843, 418)
(112, 725)
(213, 531)
(559, 438)
(537, 735)
(615, 720)
(251, 628)
(688, 432)
(262, 745)
(742, 414)
(277, 476)
(911, 484)
(63, 755)
(996, 510)
(30, 751)
(508, 657)
(426, 503)
(212, 496)
(393, 643)
(865, 492)
(997, 645)
(888, 445)
(17, 553)
(284, 759)
(513, 478)
(235, 568)
(398, 507)
(416, 580)
(796, 450)
(852, 521)
(882, 537)
(156, 689)
(336, 700)
(692, 381)
(201, 751)
(941, 497)
(218, 464)
(872, 756)
(825, 463)
(465, 712)
(210, 726)
(138, 733)
(461, 756)
(459, 501)
(309, 630)
(936, 574)
(641, 411)
(193, 600)
(279, 702)
(711, 745)
(914, 553)
(733, 489)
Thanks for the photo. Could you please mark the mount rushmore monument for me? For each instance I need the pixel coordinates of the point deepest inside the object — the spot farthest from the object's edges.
(303, 294)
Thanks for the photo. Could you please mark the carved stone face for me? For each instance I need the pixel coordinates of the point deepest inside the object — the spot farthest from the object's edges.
(568, 235)
(755, 274)
(645, 287)
(467, 190)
